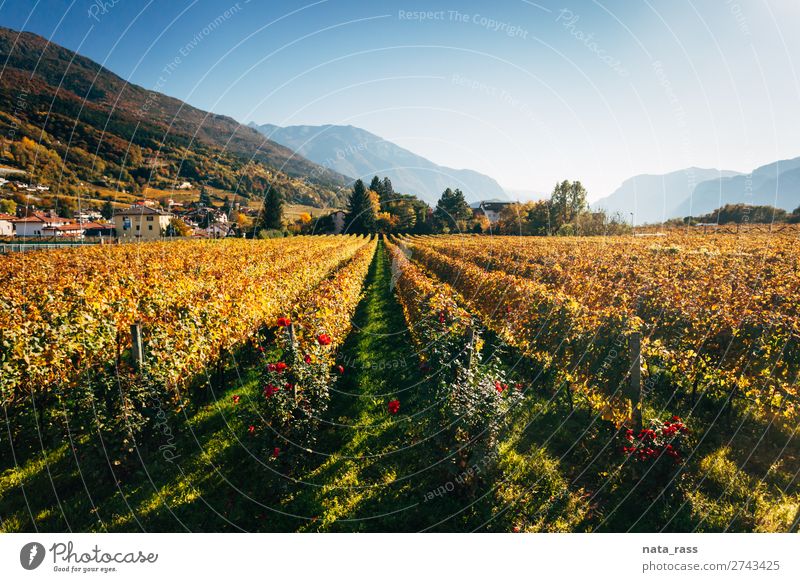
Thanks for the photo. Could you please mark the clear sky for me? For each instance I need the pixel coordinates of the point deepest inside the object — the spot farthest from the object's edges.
(527, 92)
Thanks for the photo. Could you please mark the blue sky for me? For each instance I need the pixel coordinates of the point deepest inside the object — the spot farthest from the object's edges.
(527, 92)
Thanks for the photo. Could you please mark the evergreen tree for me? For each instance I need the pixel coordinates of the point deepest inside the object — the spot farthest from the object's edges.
(377, 186)
(272, 213)
(205, 198)
(360, 210)
(452, 211)
(107, 211)
(388, 191)
(226, 206)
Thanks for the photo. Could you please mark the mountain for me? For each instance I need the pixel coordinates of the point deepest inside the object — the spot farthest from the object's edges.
(356, 152)
(776, 184)
(104, 129)
(657, 197)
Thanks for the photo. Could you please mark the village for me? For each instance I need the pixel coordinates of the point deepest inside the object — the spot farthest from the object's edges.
(144, 219)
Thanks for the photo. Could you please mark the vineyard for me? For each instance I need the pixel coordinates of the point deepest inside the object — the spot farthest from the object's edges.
(416, 383)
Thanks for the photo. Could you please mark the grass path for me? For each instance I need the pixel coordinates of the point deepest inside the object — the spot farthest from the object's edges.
(374, 476)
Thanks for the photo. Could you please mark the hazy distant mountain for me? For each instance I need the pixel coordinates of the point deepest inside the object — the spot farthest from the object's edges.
(776, 184)
(525, 195)
(657, 197)
(358, 153)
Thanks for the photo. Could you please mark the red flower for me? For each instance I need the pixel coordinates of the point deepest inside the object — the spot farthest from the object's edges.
(284, 322)
(280, 366)
(676, 419)
(307, 359)
(270, 389)
(251, 429)
(276, 451)
(261, 349)
(324, 339)
(340, 369)
(394, 406)
(271, 367)
(236, 398)
(289, 386)
(499, 387)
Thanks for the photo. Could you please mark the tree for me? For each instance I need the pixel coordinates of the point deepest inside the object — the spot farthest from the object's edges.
(513, 219)
(8, 206)
(539, 218)
(567, 202)
(377, 186)
(404, 212)
(107, 210)
(360, 210)
(388, 190)
(452, 211)
(205, 198)
(226, 206)
(177, 227)
(64, 207)
(272, 213)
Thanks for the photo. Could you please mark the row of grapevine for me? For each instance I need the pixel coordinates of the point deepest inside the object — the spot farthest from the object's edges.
(297, 372)
(724, 317)
(65, 313)
(471, 394)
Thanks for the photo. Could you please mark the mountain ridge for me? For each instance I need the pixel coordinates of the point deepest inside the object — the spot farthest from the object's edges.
(356, 152)
(50, 92)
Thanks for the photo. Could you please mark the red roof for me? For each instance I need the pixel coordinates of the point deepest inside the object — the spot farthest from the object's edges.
(7, 216)
(39, 217)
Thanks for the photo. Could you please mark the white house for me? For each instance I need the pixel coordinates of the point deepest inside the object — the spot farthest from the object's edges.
(7, 224)
(73, 229)
(34, 224)
(490, 209)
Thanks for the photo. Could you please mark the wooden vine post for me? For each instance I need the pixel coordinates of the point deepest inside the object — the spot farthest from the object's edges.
(137, 350)
(635, 380)
(470, 346)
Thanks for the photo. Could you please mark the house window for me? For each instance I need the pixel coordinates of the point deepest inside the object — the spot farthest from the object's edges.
(149, 219)
(138, 227)
(149, 227)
